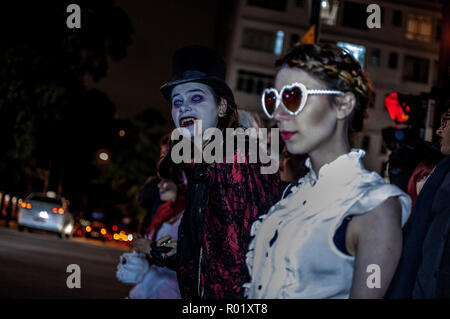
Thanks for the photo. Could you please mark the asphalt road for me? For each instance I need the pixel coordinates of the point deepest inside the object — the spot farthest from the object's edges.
(34, 265)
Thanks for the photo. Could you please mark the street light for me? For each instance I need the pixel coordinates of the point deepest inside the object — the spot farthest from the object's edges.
(103, 156)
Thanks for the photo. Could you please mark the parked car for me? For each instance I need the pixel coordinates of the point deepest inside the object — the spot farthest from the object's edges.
(39, 211)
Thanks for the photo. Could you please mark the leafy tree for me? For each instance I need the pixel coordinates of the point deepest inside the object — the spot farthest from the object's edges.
(47, 117)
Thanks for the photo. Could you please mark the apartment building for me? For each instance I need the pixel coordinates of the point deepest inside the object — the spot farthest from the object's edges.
(400, 56)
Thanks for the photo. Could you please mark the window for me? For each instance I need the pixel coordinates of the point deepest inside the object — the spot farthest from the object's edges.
(300, 3)
(263, 40)
(419, 28)
(253, 82)
(358, 51)
(328, 12)
(375, 57)
(279, 5)
(438, 30)
(416, 69)
(393, 60)
(397, 18)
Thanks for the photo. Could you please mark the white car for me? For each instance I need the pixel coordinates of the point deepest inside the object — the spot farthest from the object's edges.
(47, 213)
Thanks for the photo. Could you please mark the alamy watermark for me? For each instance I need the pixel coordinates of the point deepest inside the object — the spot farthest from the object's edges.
(208, 146)
(74, 279)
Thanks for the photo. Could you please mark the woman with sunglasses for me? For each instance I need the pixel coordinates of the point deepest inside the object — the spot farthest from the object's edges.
(337, 234)
(224, 199)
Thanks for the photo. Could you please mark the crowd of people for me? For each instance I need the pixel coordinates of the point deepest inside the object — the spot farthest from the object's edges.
(225, 230)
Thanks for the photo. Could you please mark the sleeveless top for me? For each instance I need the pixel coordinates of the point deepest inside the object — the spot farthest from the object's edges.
(292, 253)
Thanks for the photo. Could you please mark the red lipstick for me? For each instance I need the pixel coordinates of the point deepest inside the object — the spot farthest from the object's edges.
(285, 135)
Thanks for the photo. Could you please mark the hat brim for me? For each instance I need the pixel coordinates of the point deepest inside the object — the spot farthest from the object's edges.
(218, 85)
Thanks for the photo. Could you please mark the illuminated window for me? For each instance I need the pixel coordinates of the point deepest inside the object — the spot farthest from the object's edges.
(263, 40)
(279, 42)
(419, 28)
(328, 12)
(358, 51)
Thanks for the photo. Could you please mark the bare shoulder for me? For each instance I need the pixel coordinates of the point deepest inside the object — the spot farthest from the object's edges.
(381, 222)
(388, 211)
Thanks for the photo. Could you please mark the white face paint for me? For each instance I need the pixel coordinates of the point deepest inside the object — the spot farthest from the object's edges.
(167, 190)
(194, 101)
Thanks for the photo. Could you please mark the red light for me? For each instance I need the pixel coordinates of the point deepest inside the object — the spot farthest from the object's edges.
(79, 232)
(29, 206)
(395, 110)
(55, 210)
(114, 228)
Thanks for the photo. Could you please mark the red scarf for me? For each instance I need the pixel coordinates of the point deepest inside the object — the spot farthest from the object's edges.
(167, 211)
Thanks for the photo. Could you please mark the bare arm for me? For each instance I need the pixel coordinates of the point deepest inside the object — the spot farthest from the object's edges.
(376, 239)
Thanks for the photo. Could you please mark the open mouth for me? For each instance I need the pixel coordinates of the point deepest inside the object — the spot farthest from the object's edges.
(187, 121)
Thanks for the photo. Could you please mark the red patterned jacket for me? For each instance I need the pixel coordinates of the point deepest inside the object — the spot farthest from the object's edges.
(221, 210)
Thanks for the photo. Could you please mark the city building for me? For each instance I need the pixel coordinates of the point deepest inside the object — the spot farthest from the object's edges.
(400, 56)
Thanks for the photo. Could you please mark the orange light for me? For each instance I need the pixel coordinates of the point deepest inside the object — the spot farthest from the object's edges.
(28, 205)
(61, 211)
(116, 237)
(103, 231)
(88, 229)
(23, 205)
(55, 210)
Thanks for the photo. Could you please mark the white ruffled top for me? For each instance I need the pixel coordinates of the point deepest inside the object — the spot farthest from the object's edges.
(292, 253)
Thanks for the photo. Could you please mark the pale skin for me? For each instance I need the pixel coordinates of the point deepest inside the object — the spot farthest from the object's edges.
(195, 100)
(321, 131)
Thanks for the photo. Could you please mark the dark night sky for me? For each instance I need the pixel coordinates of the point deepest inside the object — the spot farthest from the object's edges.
(160, 27)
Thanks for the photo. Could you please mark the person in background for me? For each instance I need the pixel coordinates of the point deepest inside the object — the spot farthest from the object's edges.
(161, 282)
(420, 176)
(148, 196)
(424, 267)
(292, 167)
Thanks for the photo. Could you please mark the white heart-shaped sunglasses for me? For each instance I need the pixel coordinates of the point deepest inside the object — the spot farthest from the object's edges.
(293, 96)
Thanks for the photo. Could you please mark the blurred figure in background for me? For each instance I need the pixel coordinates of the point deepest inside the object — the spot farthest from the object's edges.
(158, 282)
(292, 167)
(148, 196)
(424, 268)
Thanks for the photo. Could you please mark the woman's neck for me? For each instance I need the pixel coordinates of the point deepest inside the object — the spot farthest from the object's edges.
(330, 150)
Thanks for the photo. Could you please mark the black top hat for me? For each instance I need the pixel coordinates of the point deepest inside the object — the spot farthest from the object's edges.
(197, 63)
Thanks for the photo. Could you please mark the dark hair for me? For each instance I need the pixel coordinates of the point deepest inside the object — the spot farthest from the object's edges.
(339, 70)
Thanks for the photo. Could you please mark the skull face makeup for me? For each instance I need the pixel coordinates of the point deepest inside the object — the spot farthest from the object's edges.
(191, 102)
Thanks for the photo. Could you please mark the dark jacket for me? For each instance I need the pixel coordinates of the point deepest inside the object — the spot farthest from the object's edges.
(424, 269)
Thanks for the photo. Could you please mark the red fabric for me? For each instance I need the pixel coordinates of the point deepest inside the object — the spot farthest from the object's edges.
(422, 170)
(238, 195)
(168, 210)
